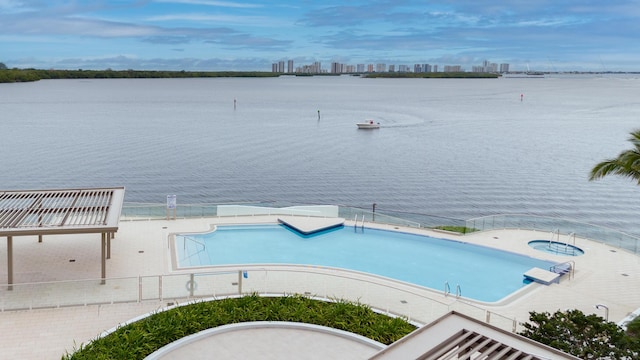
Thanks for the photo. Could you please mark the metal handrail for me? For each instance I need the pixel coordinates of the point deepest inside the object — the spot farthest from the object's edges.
(183, 287)
(189, 256)
(570, 263)
(583, 230)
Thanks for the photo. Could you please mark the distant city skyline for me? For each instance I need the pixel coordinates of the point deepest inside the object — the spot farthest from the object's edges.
(340, 68)
(212, 35)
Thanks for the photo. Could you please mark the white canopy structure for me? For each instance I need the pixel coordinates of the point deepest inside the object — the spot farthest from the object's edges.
(59, 212)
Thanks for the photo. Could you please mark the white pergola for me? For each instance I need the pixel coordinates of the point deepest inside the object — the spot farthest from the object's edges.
(59, 212)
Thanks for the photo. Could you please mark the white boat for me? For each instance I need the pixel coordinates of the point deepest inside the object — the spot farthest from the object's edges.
(369, 124)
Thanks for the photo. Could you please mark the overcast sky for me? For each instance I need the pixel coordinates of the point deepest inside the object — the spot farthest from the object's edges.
(546, 35)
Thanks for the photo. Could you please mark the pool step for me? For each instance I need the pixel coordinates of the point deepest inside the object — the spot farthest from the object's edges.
(561, 269)
(310, 225)
(542, 276)
(564, 268)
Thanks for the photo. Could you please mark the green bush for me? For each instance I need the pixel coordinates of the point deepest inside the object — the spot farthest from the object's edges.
(586, 336)
(633, 328)
(141, 338)
(458, 229)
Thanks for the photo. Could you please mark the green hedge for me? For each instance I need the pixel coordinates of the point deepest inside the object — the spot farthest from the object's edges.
(141, 338)
(22, 75)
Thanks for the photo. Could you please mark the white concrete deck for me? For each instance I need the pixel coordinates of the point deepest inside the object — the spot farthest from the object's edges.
(310, 342)
(604, 275)
(542, 276)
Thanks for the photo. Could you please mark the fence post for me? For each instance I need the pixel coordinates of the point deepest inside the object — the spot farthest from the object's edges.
(191, 284)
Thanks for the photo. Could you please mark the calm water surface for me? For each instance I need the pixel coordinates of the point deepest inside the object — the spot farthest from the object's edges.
(457, 148)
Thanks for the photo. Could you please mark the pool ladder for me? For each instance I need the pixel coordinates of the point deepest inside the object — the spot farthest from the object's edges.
(567, 267)
(556, 235)
(184, 247)
(447, 290)
(355, 222)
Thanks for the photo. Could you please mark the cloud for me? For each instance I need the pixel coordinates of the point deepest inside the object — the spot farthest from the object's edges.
(90, 27)
(122, 62)
(44, 24)
(200, 17)
(252, 42)
(229, 4)
(407, 30)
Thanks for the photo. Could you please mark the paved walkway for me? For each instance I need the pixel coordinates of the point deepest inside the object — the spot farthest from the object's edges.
(604, 275)
(280, 340)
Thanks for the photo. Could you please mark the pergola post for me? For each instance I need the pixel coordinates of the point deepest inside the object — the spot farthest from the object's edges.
(108, 236)
(10, 262)
(103, 256)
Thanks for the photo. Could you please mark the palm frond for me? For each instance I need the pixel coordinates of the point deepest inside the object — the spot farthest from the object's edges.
(627, 164)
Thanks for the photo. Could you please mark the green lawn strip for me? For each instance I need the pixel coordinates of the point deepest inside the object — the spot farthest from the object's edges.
(141, 338)
(458, 229)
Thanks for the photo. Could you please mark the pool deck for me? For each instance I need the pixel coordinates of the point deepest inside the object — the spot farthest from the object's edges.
(604, 275)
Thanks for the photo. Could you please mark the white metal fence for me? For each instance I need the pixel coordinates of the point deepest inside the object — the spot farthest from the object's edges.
(413, 303)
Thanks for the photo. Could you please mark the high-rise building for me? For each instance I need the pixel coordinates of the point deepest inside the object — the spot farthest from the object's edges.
(337, 68)
(290, 66)
(360, 68)
(370, 68)
(314, 68)
(274, 67)
(491, 68)
(504, 68)
(281, 66)
(392, 68)
(381, 67)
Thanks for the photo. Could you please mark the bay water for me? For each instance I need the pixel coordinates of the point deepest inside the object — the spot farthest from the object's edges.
(453, 148)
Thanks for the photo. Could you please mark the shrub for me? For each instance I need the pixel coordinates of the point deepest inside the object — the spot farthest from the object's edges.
(141, 338)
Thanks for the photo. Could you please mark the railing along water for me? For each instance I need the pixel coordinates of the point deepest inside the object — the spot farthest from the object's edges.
(557, 226)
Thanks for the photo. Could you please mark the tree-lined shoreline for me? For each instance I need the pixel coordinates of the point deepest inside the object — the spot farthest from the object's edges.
(27, 75)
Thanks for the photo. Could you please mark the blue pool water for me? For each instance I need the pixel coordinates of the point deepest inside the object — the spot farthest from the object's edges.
(483, 274)
(556, 248)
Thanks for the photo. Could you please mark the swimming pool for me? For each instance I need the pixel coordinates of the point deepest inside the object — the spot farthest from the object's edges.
(556, 247)
(482, 273)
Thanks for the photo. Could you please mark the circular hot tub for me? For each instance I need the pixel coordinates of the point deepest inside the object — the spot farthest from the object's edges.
(556, 248)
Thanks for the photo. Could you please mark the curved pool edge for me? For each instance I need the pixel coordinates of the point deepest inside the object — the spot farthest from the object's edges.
(538, 245)
(341, 276)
